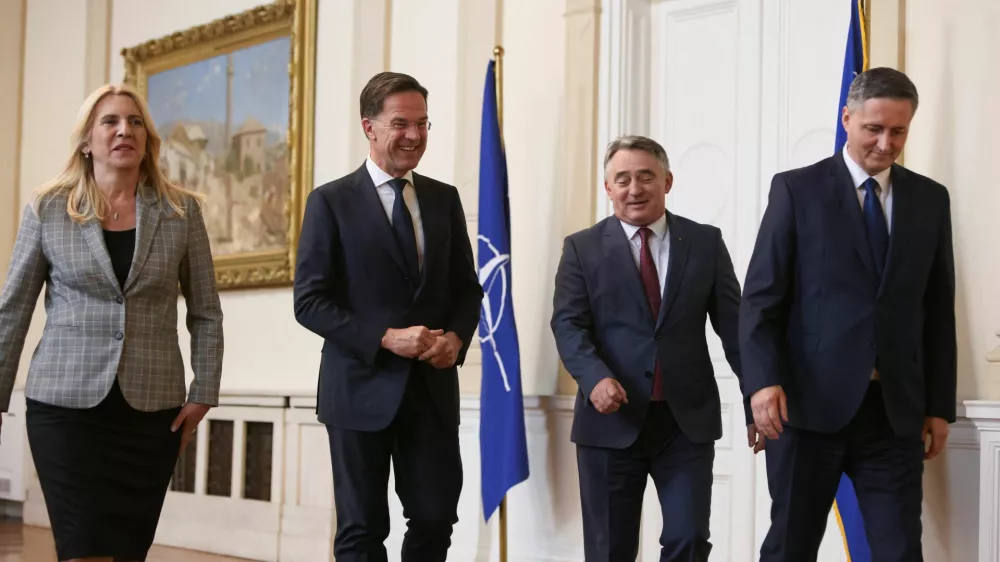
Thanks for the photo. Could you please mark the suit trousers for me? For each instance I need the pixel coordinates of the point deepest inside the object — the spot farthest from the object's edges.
(427, 467)
(804, 470)
(613, 481)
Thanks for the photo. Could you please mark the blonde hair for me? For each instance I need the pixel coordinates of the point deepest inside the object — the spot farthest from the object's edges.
(84, 201)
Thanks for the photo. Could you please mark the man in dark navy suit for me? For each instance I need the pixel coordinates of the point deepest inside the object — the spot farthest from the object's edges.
(385, 275)
(847, 331)
(632, 294)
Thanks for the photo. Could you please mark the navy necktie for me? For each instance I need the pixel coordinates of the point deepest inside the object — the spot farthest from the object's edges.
(651, 284)
(402, 227)
(878, 231)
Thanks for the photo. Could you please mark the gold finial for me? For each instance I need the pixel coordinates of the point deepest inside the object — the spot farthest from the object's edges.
(498, 51)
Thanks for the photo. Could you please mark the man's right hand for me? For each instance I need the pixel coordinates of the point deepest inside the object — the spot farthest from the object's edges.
(608, 395)
(410, 342)
(769, 407)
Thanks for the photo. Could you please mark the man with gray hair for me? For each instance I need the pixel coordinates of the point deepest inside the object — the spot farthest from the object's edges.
(632, 294)
(847, 331)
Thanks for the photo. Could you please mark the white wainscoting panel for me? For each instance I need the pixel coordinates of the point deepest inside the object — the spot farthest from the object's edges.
(544, 520)
(14, 461)
(986, 418)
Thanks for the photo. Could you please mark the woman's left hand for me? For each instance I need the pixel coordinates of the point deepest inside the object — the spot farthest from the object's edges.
(188, 420)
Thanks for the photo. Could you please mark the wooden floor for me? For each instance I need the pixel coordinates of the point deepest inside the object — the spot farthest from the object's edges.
(33, 544)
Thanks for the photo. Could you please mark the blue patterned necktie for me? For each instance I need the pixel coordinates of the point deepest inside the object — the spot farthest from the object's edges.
(878, 231)
(402, 227)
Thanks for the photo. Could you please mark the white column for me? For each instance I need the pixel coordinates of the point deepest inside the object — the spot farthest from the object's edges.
(986, 417)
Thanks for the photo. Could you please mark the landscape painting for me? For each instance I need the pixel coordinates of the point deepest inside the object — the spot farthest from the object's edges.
(224, 122)
(233, 102)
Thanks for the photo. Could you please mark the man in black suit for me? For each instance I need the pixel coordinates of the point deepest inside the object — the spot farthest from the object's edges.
(385, 275)
(847, 331)
(632, 294)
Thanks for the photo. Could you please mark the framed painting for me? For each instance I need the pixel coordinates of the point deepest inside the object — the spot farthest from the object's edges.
(233, 101)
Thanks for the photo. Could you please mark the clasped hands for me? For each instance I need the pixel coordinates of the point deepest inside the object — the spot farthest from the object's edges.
(436, 347)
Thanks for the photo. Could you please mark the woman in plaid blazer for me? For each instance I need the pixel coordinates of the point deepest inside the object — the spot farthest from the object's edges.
(112, 241)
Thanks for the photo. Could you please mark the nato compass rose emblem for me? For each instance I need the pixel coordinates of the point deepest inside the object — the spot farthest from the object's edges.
(494, 277)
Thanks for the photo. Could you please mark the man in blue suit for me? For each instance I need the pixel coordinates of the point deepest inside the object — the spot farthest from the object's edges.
(632, 295)
(847, 331)
(385, 275)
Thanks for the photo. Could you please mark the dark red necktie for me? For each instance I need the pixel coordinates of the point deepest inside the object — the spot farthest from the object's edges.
(651, 283)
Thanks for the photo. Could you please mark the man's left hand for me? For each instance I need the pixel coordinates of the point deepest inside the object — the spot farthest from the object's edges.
(444, 352)
(937, 428)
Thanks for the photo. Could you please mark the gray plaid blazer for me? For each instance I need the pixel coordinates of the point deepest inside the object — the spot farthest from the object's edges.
(95, 330)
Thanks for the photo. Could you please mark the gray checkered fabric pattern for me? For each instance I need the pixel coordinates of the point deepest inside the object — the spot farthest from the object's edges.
(95, 330)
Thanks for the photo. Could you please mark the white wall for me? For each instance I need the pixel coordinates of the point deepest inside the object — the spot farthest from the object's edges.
(951, 55)
(56, 76)
(445, 44)
(12, 37)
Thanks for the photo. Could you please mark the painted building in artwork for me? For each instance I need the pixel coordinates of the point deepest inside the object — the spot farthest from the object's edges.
(184, 157)
(250, 147)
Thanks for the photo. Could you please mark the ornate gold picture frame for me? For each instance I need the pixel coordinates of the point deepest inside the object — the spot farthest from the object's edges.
(233, 101)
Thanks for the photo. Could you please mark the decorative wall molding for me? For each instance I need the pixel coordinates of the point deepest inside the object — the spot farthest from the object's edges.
(623, 81)
(994, 356)
(985, 416)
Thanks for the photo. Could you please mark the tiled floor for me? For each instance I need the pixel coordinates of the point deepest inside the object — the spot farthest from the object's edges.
(32, 544)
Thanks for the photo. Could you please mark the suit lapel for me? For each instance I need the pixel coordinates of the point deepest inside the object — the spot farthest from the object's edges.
(901, 214)
(379, 221)
(842, 186)
(619, 256)
(147, 212)
(429, 222)
(675, 267)
(94, 236)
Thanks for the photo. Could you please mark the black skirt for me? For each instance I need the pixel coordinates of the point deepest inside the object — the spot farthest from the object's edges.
(104, 472)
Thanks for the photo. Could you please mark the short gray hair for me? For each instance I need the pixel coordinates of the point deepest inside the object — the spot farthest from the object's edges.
(636, 142)
(881, 83)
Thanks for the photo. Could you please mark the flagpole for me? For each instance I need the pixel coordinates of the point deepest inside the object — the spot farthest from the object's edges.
(498, 58)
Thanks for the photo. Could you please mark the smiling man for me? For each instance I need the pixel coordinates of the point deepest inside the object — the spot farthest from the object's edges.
(632, 294)
(847, 331)
(385, 276)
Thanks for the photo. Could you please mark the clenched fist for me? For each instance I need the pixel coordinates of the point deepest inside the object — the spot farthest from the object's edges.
(608, 395)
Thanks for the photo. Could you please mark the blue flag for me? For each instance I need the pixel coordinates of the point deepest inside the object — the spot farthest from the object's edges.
(846, 508)
(502, 442)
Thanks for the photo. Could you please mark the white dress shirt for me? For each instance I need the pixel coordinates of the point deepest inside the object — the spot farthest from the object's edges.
(388, 197)
(659, 246)
(885, 193)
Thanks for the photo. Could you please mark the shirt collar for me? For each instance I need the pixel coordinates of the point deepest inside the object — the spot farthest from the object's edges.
(659, 227)
(859, 176)
(379, 176)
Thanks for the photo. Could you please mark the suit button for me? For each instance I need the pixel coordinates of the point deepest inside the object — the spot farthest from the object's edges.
(119, 300)
(649, 374)
(119, 335)
(658, 337)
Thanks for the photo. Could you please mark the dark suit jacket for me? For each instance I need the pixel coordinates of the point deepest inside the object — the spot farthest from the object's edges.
(603, 328)
(816, 317)
(351, 285)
